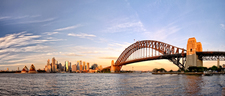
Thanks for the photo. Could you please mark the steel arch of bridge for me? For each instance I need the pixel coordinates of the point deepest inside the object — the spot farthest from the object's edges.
(167, 51)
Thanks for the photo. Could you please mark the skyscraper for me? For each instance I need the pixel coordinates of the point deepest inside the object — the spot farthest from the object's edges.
(70, 67)
(53, 64)
(67, 66)
(78, 65)
(81, 68)
(87, 66)
(48, 67)
(84, 66)
(48, 62)
(74, 68)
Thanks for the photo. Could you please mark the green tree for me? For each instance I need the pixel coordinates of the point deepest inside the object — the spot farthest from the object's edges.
(162, 70)
(155, 70)
(171, 71)
(214, 68)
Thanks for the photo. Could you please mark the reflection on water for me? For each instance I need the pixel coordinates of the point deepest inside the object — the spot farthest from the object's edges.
(110, 84)
(193, 84)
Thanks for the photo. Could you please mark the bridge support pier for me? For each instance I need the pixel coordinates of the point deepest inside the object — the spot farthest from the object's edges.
(114, 68)
(192, 57)
(218, 63)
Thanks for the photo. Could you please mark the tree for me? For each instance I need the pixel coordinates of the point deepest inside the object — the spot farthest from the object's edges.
(171, 71)
(214, 68)
(162, 70)
(155, 70)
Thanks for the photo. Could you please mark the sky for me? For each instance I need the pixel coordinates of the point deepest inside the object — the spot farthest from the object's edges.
(97, 31)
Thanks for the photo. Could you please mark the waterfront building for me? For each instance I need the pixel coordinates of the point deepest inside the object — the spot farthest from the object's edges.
(74, 68)
(81, 68)
(59, 66)
(70, 67)
(84, 66)
(94, 66)
(88, 66)
(53, 64)
(48, 67)
(78, 65)
(32, 69)
(24, 70)
(100, 67)
(67, 66)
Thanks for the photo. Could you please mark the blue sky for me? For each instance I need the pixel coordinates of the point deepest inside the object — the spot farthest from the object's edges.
(97, 31)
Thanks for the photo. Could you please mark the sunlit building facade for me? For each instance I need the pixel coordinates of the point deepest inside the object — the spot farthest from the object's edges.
(67, 66)
(84, 66)
(48, 67)
(74, 68)
(53, 64)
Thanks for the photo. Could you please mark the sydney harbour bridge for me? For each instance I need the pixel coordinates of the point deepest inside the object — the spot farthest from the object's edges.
(153, 50)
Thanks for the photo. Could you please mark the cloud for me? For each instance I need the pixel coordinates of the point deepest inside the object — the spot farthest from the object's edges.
(67, 28)
(91, 52)
(81, 35)
(163, 33)
(123, 45)
(16, 39)
(5, 17)
(19, 17)
(51, 33)
(127, 26)
(36, 21)
(222, 26)
(35, 48)
(63, 53)
(72, 54)
(108, 57)
(23, 47)
(22, 39)
(17, 64)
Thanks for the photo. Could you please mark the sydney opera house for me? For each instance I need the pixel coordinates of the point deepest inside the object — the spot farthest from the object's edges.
(26, 70)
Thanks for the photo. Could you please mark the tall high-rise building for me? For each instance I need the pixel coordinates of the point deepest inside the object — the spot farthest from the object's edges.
(70, 67)
(67, 66)
(60, 67)
(84, 66)
(53, 64)
(48, 62)
(88, 66)
(48, 67)
(74, 68)
(78, 65)
(81, 68)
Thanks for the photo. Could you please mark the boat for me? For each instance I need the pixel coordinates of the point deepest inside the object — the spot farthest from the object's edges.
(207, 73)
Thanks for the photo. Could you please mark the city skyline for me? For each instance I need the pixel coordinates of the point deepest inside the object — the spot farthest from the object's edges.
(99, 31)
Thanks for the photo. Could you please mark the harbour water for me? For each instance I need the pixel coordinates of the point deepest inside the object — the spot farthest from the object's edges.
(125, 84)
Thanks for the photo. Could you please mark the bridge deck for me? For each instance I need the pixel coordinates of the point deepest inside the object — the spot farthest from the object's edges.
(167, 56)
(211, 53)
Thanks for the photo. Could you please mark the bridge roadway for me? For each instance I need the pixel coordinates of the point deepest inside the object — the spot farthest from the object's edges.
(168, 56)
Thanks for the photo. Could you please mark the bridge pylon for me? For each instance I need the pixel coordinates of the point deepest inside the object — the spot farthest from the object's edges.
(115, 68)
(191, 56)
